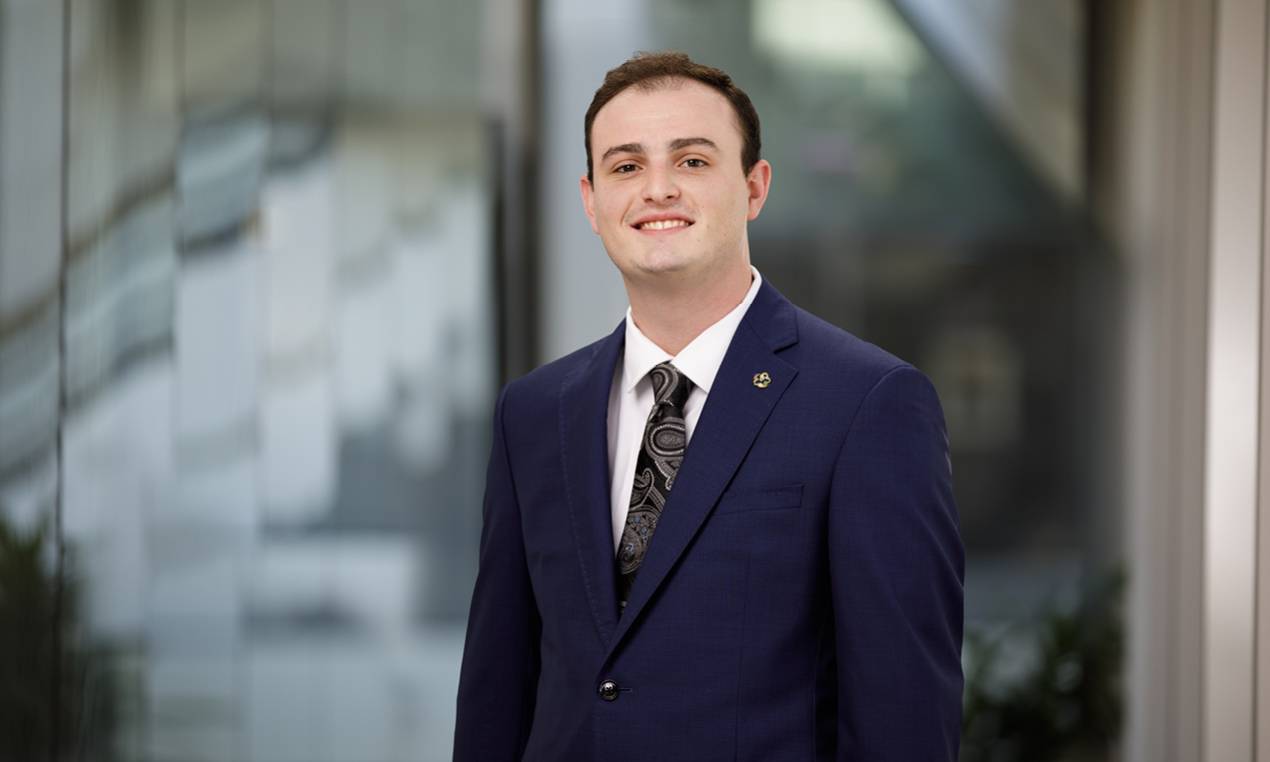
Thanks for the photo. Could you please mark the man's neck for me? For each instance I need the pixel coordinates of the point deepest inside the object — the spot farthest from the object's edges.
(672, 314)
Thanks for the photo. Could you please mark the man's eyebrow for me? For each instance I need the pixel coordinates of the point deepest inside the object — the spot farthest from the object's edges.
(623, 148)
(674, 145)
(679, 143)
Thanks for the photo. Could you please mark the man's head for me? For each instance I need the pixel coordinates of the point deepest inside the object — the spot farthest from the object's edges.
(673, 173)
(650, 71)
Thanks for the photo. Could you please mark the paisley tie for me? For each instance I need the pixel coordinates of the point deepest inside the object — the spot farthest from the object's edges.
(660, 453)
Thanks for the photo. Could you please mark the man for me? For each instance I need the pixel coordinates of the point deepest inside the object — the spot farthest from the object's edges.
(726, 531)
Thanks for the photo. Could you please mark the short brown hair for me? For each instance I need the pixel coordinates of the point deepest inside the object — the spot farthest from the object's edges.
(649, 71)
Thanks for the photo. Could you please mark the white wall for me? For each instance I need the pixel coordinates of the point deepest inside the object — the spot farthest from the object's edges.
(1183, 190)
(1237, 249)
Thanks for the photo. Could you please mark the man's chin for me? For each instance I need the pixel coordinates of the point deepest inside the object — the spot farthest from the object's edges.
(663, 269)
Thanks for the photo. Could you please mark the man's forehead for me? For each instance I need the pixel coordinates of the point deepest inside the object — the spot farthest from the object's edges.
(687, 106)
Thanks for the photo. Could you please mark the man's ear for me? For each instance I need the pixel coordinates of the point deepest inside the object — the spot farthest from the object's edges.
(588, 201)
(759, 181)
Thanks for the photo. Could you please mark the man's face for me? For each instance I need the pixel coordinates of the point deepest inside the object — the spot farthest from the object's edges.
(669, 194)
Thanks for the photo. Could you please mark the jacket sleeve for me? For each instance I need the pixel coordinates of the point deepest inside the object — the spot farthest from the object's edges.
(896, 571)
(498, 681)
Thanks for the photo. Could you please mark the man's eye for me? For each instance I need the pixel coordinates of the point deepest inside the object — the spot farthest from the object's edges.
(624, 168)
(694, 163)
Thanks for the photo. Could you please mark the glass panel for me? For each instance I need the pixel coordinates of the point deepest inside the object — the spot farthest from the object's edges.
(270, 378)
(35, 703)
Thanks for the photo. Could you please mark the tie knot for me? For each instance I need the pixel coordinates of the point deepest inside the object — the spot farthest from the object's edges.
(670, 385)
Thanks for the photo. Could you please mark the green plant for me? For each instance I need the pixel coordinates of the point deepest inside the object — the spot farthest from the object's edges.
(28, 656)
(1067, 704)
(42, 671)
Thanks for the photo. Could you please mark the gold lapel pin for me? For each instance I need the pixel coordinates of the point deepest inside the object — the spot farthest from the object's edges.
(762, 379)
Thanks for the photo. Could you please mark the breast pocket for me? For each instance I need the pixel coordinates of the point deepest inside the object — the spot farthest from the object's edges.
(748, 500)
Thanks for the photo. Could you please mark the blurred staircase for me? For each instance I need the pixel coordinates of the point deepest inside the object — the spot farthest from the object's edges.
(1023, 60)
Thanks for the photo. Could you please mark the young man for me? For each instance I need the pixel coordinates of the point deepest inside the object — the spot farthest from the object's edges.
(726, 531)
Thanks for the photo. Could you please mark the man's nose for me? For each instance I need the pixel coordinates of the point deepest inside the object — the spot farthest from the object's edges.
(659, 185)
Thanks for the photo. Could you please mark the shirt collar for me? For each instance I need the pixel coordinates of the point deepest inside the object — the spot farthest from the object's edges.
(700, 360)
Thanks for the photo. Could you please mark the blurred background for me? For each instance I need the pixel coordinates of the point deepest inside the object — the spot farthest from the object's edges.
(264, 265)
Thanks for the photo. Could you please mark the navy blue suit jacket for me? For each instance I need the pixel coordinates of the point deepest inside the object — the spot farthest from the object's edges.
(802, 596)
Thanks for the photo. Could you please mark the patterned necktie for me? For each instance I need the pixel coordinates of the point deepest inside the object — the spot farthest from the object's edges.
(660, 453)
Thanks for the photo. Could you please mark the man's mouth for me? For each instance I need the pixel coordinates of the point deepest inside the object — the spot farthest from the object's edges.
(668, 224)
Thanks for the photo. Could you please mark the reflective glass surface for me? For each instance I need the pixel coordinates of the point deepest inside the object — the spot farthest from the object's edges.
(246, 366)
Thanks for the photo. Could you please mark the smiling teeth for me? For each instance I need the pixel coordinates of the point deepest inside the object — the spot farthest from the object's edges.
(664, 224)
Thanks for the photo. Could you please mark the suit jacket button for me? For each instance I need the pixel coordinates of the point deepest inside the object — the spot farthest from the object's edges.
(608, 690)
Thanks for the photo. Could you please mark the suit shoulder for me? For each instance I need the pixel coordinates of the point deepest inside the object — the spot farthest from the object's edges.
(854, 371)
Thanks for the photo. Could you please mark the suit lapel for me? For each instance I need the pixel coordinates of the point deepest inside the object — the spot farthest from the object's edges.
(584, 400)
(735, 411)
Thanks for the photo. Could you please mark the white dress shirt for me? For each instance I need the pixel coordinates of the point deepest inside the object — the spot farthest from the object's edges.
(631, 396)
